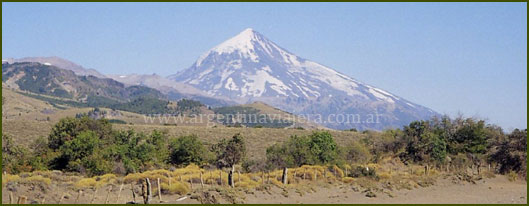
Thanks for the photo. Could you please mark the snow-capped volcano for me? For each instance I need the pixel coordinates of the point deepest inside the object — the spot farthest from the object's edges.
(249, 67)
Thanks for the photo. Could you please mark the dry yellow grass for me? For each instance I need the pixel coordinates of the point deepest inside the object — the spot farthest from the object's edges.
(32, 116)
(36, 179)
(96, 182)
(9, 178)
(175, 188)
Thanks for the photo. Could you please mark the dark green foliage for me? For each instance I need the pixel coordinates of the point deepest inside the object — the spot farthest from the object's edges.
(423, 144)
(82, 154)
(323, 147)
(75, 140)
(86, 91)
(48, 80)
(145, 106)
(61, 93)
(14, 157)
(511, 154)
(55, 101)
(236, 116)
(96, 113)
(471, 137)
(83, 145)
(318, 148)
(68, 128)
(186, 150)
(116, 121)
(187, 105)
(128, 150)
(230, 151)
(100, 101)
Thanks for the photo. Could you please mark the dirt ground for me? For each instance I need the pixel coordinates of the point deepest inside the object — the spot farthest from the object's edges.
(491, 191)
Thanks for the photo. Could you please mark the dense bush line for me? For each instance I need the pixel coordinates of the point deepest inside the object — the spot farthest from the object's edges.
(90, 146)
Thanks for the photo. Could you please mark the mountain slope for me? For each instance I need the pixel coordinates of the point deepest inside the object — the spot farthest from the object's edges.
(259, 114)
(174, 90)
(58, 62)
(51, 80)
(249, 67)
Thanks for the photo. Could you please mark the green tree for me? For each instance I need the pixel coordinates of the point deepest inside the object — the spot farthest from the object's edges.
(472, 137)
(511, 154)
(323, 147)
(68, 128)
(14, 157)
(186, 150)
(230, 152)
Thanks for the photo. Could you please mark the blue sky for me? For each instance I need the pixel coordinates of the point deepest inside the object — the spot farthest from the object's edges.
(452, 57)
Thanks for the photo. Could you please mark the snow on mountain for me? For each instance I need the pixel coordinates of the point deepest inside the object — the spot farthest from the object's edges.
(249, 67)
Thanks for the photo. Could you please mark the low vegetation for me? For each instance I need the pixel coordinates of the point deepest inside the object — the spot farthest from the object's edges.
(378, 162)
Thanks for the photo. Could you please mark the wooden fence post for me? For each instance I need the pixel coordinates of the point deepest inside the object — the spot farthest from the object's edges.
(230, 179)
(159, 189)
(108, 194)
(94, 196)
(78, 196)
(59, 202)
(201, 180)
(146, 191)
(22, 199)
(285, 176)
(133, 193)
(239, 176)
(119, 193)
(220, 177)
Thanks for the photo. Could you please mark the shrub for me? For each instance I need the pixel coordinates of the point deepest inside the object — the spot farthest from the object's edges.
(318, 148)
(324, 148)
(68, 128)
(511, 154)
(96, 182)
(86, 182)
(116, 121)
(230, 152)
(360, 171)
(357, 152)
(14, 157)
(9, 178)
(186, 150)
(175, 188)
(37, 179)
